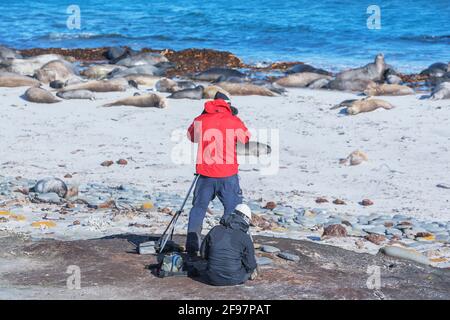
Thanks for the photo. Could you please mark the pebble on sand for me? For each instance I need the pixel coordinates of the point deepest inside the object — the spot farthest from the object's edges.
(270, 205)
(335, 230)
(107, 163)
(375, 238)
(366, 202)
(122, 162)
(339, 202)
(321, 200)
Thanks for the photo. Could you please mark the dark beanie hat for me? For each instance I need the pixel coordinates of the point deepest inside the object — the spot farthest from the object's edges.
(220, 95)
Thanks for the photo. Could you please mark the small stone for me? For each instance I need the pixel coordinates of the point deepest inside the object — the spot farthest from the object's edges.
(443, 186)
(166, 210)
(270, 205)
(288, 256)
(76, 223)
(339, 202)
(269, 249)
(321, 200)
(377, 230)
(394, 232)
(122, 162)
(388, 224)
(375, 238)
(263, 261)
(68, 176)
(366, 202)
(107, 163)
(335, 230)
(50, 197)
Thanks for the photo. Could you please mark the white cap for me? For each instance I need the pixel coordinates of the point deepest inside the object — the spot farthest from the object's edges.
(245, 210)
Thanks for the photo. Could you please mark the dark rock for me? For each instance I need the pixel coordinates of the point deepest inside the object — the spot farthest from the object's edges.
(270, 205)
(335, 230)
(366, 202)
(122, 162)
(375, 238)
(107, 163)
(339, 202)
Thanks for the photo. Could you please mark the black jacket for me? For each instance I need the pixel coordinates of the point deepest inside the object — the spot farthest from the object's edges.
(229, 252)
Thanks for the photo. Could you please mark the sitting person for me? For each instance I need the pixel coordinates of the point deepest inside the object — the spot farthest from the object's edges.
(228, 250)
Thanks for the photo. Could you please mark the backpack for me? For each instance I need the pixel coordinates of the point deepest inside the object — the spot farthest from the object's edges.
(171, 264)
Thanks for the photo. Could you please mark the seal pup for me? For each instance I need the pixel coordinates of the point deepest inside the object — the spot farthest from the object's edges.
(39, 95)
(166, 85)
(303, 67)
(55, 70)
(150, 100)
(442, 91)
(54, 185)
(300, 80)
(319, 83)
(100, 71)
(141, 59)
(76, 94)
(372, 71)
(12, 80)
(253, 148)
(246, 89)
(388, 90)
(363, 105)
(113, 85)
(210, 92)
(195, 94)
(213, 74)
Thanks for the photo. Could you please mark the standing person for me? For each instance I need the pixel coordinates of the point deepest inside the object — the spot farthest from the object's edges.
(229, 251)
(216, 130)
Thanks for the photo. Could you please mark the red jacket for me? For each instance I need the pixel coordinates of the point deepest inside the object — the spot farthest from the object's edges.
(217, 131)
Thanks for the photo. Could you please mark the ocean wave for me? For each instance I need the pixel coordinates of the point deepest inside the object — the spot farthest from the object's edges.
(428, 38)
(87, 35)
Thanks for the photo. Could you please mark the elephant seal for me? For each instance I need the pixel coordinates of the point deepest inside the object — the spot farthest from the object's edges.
(213, 74)
(54, 185)
(437, 69)
(113, 85)
(39, 95)
(300, 68)
(300, 80)
(442, 91)
(372, 71)
(319, 83)
(56, 84)
(28, 66)
(55, 70)
(114, 53)
(388, 90)
(210, 92)
(143, 79)
(166, 85)
(195, 94)
(8, 54)
(350, 85)
(12, 80)
(141, 70)
(141, 59)
(76, 94)
(100, 71)
(364, 105)
(252, 148)
(246, 89)
(150, 100)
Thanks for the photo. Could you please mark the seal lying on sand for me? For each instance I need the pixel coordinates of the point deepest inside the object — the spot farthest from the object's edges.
(300, 80)
(350, 85)
(437, 69)
(388, 90)
(150, 100)
(442, 91)
(55, 70)
(119, 84)
(39, 95)
(210, 92)
(140, 70)
(8, 54)
(169, 85)
(372, 71)
(302, 67)
(246, 89)
(214, 74)
(28, 66)
(253, 148)
(364, 105)
(54, 185)
(76, 94)
(143, 79)
(141, 59)
(196, 94)
(12, 80)
(100, 71)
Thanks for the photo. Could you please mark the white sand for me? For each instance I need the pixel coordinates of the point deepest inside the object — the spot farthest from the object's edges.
(408, 148)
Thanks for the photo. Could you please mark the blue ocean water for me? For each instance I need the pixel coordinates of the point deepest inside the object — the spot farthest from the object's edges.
(326, 33)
